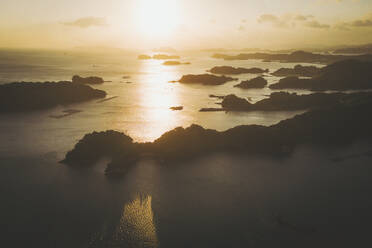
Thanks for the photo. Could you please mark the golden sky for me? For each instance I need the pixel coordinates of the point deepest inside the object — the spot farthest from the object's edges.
(184, 24)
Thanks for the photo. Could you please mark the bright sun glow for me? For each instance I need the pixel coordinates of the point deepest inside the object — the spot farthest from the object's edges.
(157, 18)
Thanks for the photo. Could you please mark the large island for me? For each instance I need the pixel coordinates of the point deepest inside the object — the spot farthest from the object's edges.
(339, 124)
(205, 79)
(229, 70)
(342, 75)
(28, 96)
(295, 57)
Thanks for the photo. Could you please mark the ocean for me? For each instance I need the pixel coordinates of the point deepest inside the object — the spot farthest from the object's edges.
(220, 200)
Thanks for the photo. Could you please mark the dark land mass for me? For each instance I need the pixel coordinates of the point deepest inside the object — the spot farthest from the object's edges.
(205, 79)
(283, 101)
(229, 70)
(339, 124)
(212, 110)
(144, 57)
(165, 56)
(216, 96)
(295, 57)
(88, 80)
(255, 83)
(158, 57)
(170, 63)
(27, 96)
(342, 75)
(173, 63)
(178, 108)
(363, 49)
(298, 70)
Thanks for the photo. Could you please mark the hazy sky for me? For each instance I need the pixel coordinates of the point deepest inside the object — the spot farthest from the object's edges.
(184, 23)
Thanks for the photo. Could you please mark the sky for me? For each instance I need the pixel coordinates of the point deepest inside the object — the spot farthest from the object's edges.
(184, 24)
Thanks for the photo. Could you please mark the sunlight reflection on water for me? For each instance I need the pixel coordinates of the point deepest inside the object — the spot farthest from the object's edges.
(137, 224)
(157, 95)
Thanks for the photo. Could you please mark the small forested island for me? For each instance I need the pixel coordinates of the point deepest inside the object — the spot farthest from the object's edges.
(255, 83)
(295, 57)
(229, 70)
(283, 101)
(205, 79)
(298, 70)
(144, 57)
(173, 63)
(342, 75)
(177, 108)
(29, 96)
(158, 57)
(87, 80)
(362, 49)
(165, 57)
(337, 124)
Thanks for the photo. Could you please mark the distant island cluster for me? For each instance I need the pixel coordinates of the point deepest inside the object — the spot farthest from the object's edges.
(329, 118)
(329, 104)
(339, 123)
(170, 60)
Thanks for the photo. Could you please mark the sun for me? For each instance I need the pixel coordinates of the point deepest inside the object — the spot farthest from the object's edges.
(158, 18)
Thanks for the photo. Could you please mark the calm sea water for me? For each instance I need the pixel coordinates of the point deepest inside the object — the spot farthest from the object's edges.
(305, 200)
(141, 108)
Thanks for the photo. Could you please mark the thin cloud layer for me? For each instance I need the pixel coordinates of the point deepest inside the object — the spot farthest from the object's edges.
(290, 20)
(87, 22)
(364, 22)
(316, 24)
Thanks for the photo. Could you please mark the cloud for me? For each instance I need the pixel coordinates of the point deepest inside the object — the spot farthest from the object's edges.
(344, 26)
(291, 20)
(303, 18)
(364, 22)
(268, 18)
(316, 24)
(87, 22)
(274, 20)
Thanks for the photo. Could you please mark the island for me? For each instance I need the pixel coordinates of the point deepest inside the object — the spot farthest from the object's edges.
(284, 101)
(339, 124)
(144, 57)
(158, 57)
(88, 80)
(171, 63)
(205, 79)
(178, 108)
(174, 63)
(295, 57)
(165, 57)
(29, 96)
(229, 70)
(342, 75)
(298, 70)
(362, 49)
(255, 83)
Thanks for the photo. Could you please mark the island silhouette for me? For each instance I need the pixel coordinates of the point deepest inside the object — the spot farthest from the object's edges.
(205, 79)
(336, 124)
(342, 75)
(229, 70)
(31, 96)
(294, 57)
